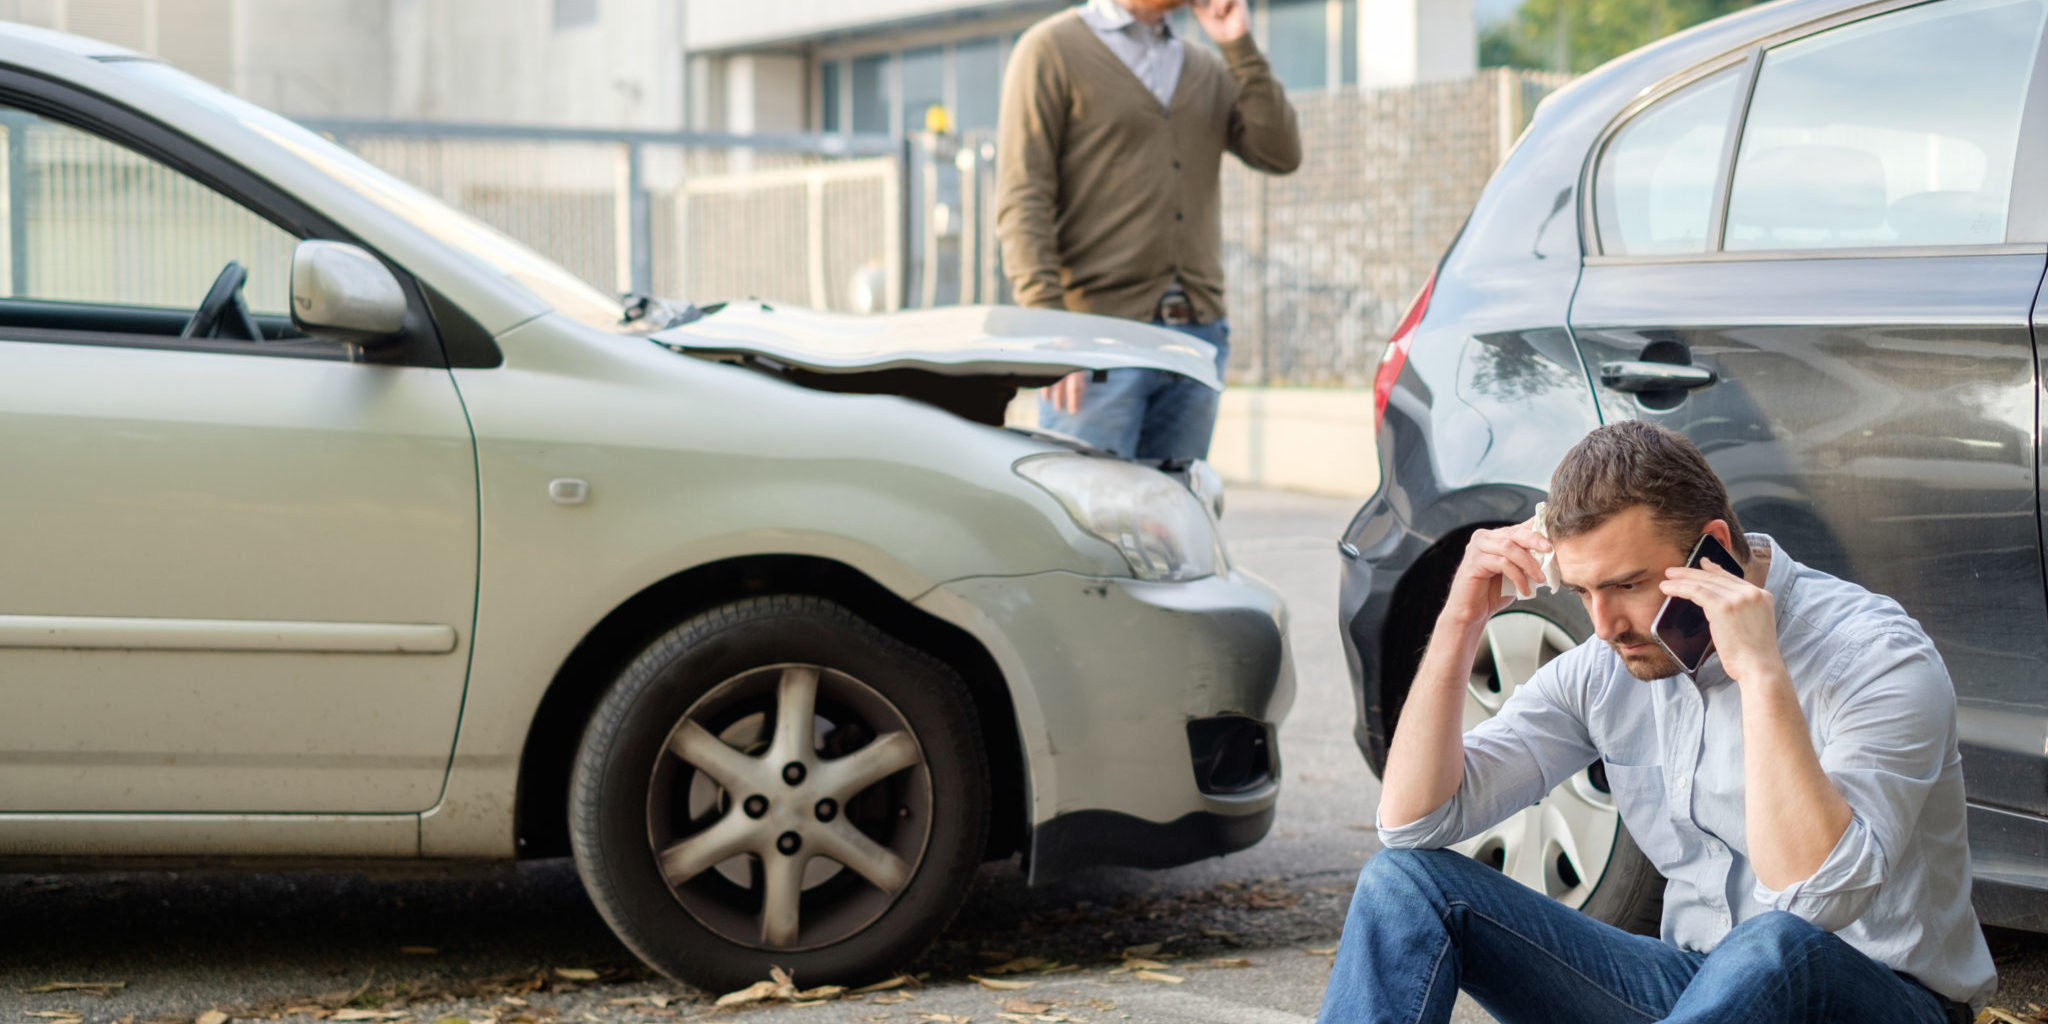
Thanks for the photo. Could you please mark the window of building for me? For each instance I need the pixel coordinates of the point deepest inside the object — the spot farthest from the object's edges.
(575, 13)
(1654, 190)
(978, 82)
(828, 96)
(923, 74)
(1897, 130)
(870, 88)
(1347, 42)
(1298, 42)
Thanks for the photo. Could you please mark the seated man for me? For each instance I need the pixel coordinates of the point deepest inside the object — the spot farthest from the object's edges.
(1802, 795)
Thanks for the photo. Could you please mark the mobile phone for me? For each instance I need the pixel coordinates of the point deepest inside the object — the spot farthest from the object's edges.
(1681, 626)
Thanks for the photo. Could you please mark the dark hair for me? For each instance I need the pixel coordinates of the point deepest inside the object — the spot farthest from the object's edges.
(1634, 462)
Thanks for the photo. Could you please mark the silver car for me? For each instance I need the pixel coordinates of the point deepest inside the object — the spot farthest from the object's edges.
(338, 528)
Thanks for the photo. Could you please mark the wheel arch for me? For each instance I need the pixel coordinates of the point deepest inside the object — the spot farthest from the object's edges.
(541, 825)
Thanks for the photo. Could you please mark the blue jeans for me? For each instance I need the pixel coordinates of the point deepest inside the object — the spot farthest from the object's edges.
(1147, 414)
(1425, 923)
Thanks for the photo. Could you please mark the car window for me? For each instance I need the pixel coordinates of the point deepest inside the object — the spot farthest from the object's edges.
(92, 222)
(1654, 191)
(1895, 131)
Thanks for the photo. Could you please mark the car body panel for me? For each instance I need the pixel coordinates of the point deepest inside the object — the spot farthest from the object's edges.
(252, 495)
(1007, 342)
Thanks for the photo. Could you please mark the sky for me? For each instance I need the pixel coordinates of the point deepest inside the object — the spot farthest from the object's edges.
(1491, 10)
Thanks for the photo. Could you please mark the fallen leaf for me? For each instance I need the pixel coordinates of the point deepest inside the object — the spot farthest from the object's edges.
(882, 986)
(1026, 1006)
(1236, 962)
(1148, 949)
(453, 1020)
(514, 1000)
(1218, 933)
(212, 1017)
(1170, 979)
(1141, 964)
(1001, 985)
(67, 1014)
(1325, 951)
(1058, 968)
(821, 993)
(100, 987)
(575, 974)
(996, 956)
(1997, 1014)
(418, 950)
(754, 993)
(892, 998)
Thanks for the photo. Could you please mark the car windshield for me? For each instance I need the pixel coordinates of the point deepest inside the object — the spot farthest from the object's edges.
(547, 281)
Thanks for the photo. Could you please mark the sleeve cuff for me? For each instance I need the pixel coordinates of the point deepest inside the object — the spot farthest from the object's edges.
(1241, 51)
(1840, 889)
(1424, 833)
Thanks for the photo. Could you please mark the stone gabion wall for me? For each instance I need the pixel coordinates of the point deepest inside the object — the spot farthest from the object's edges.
(1323, 262)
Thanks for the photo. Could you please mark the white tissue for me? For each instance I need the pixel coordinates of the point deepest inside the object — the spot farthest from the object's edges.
(1546, 560)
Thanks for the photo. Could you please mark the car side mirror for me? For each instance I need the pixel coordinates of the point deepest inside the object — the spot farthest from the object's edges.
(341, 292)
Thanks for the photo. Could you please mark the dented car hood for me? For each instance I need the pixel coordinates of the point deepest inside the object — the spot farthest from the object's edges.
(1012, 345)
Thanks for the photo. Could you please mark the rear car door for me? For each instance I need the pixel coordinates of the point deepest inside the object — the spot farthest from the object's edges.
(239, 574)
(1837, 307)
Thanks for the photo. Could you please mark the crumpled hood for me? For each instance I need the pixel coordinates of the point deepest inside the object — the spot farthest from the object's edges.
(1021, 347)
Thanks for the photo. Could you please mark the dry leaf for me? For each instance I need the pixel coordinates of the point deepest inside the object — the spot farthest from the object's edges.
(754, 993)
(821, 993)
(1141, 964)
(1325, 951)
(514, 1000)
(1026, 1006)
(1058, 968)
(892, 998)
(1218, 933)
(1148, 949)
(72, 1014)
(98, 987)
(882, 986)
(575, 974)
(1170, 979)
(996, 956)
(418, 950)
(212, 1017)
(1000, 985)
(453, 1020)
(1994, 1013)
(1237, 962)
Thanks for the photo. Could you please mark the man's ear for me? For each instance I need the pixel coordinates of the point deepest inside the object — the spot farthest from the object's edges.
(1718, 529)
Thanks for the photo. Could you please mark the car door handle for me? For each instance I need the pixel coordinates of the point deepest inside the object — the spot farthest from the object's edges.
(1637, 377)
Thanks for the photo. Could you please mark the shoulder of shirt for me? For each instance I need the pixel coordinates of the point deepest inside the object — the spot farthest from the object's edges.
(1043, 43)
(1841, 618)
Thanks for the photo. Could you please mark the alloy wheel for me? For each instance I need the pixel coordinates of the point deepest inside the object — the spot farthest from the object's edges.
(790, 807)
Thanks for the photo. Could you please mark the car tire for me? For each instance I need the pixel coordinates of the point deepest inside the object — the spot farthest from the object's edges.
(1571, 845)
(717, 846)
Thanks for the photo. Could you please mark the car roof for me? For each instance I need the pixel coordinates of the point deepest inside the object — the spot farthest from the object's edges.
(15, 37)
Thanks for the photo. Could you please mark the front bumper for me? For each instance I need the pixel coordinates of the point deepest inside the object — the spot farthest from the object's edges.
(1147, 711)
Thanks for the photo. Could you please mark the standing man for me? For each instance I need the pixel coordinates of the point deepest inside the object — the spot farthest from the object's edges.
(1110, 145)
(1802, 793)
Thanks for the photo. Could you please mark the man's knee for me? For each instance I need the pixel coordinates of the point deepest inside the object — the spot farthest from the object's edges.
(1776, 936)
(1394, 879)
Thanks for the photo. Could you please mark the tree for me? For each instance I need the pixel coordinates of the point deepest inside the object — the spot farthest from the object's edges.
(1579, 35)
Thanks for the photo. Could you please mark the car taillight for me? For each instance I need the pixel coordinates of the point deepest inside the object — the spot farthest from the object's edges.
(1397, 351)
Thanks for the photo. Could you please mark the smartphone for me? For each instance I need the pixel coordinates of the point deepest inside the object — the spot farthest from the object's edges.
(1681, 626)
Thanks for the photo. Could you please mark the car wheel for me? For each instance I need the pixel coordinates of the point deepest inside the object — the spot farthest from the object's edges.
(1569, 845)
(777, 783)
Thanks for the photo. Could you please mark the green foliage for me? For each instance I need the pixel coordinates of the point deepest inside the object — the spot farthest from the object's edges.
(1579, 35)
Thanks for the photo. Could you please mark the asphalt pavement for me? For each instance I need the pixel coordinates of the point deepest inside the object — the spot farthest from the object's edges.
(1245, 939)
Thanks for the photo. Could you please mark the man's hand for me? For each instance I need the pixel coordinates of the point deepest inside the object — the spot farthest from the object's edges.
(1224, 20)
(1065, 393)
(1741, 615)
(1492, 555)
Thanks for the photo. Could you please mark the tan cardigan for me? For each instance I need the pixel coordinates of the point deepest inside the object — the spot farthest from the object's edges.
(1103, 197)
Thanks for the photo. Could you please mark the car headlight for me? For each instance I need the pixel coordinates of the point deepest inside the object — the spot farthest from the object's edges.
(1164, 531)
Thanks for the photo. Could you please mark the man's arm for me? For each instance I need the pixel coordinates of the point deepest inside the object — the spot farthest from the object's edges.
(1792, 813)
(1263, 130)
(1030, 131)
(1426, 761)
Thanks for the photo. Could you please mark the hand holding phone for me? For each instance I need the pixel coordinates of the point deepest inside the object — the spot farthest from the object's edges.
(1681, 626)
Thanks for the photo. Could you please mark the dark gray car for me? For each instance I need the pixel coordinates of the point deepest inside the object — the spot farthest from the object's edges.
(1802, 236)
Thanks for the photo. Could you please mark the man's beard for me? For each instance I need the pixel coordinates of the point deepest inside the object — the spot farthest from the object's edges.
(1649, 665)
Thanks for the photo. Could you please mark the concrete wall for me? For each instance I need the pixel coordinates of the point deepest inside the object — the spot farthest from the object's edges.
(741, 24)
(504, 60)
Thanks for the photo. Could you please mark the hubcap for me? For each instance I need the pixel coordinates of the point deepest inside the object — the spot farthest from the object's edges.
(1561, 844)
(834, 820)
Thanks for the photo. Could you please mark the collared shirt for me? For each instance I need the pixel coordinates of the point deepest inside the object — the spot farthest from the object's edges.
(1881, 710)
(1152, 52)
